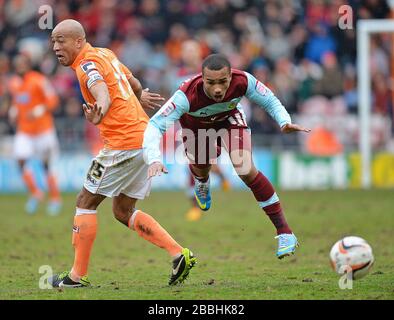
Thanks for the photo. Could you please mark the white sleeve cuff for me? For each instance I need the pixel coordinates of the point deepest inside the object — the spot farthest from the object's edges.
(151, 144)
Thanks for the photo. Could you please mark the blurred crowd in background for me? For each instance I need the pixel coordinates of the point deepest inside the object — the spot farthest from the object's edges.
(295, 47)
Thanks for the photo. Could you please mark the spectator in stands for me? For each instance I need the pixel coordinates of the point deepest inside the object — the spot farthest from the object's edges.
(173, 45)
(319, 43)
(350, 88)
(379, 60)
(284, 83)
(331, 82)
(307, 73)
(277, 45)
(381, 95)
(136, 50)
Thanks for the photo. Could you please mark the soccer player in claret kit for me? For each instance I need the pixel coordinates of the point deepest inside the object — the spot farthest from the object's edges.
(211, 116)
(191, 59)
(114, 103)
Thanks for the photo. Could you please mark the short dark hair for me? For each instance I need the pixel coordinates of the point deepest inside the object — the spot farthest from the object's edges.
(216, 61)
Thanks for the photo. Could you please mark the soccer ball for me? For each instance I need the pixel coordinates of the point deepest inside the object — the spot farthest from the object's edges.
(352, 254)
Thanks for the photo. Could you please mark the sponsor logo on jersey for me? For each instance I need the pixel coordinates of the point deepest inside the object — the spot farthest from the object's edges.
(88, 66)
(232, 105)
(168, 109)
(22, 98)
(261, 88)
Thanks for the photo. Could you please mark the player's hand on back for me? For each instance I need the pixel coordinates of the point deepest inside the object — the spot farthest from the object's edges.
(93, 113)
(150, 100)
(290, 127)
(156, 168)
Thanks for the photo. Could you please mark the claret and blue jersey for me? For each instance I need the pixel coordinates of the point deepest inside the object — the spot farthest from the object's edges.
(195, 110)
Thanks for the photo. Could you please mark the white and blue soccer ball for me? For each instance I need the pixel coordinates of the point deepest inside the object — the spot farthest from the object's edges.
(352, 255)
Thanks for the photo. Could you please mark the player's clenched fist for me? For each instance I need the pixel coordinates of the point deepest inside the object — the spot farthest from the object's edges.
(156, 168)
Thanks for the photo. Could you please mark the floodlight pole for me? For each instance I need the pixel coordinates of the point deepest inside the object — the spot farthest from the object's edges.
(364, 29)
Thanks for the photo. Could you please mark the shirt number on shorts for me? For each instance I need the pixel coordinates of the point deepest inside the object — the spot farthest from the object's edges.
(96, 170)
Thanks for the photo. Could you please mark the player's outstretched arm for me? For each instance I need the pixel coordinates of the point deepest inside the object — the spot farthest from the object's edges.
(170, 112)
(150, 100)
(261, 95)
(292, 127)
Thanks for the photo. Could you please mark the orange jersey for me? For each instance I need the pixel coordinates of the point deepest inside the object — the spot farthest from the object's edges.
(27, 92)
(123, 126)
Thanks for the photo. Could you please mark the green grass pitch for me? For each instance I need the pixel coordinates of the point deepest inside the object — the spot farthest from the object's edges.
(234, 243)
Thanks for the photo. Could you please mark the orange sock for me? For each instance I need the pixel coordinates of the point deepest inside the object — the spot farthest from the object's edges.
(149, 229)
(84, 233)
(52, 187)
(28, 178)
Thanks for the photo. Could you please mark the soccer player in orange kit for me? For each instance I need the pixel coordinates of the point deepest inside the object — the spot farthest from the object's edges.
(33, 101)
(114, 100)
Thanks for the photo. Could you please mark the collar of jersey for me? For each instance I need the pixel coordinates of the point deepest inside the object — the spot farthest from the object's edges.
(81, 55)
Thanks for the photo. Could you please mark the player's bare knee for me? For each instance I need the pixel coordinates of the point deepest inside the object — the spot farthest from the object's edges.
(249, 177)
(121, 217)
(242, 162)
(86, 200)
(122, 214)
(245, 170)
